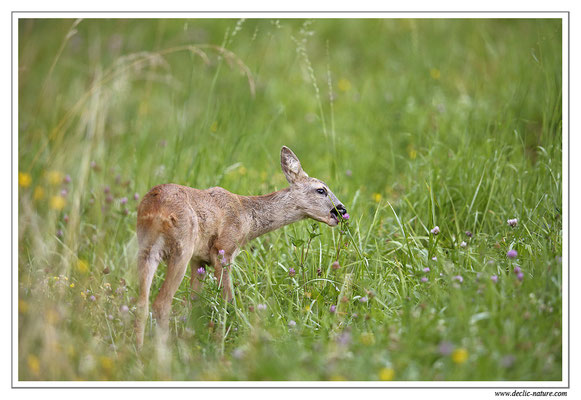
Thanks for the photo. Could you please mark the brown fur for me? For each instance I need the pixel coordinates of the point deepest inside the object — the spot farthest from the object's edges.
(180, 224)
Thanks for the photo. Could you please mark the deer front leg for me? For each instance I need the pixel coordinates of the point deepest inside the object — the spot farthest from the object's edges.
(221, 260)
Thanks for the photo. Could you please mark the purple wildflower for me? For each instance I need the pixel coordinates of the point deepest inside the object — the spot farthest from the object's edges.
(434, 258)
(520, 276)
(424, 279)
(67, 179)
(494, 278)
(463, 244)
(445, 348)
(333, 308)
(512, 253)
(221, 252)
(512, 222)
(201, 271)
(348, 172)
(292, 324)
(106, 189)
(469, 234)
(92, 298)
(507, 361)
(136, 196)
(516, 269)
(59, 233)
(64, 193)
(291, 272)
(427, 269)
(123, 200)
(261, 307)
(345, 216)
(435, 230)
(458, 278)
(124, 308)
(363, 299)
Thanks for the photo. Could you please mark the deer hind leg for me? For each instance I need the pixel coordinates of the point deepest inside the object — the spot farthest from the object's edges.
(177, 264)
(147, 263)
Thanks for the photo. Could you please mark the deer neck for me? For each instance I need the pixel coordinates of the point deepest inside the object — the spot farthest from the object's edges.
(270, 211)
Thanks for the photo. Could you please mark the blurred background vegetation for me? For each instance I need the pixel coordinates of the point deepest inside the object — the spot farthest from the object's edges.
(412, 122)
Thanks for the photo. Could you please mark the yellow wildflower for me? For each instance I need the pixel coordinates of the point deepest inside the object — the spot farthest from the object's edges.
(307, 308)
(82, 266)
(57, 203)
(367, 338)
(377, 197)
(386, 374)
(54, 177)
(459, 356)
(72, 285)
(214, 126)
(38, 193)
(412, 153)
(83, 295)
(344, 85)
(106, 363)
(24, 179)
(33, 364)
(22, 306)
(435, 73)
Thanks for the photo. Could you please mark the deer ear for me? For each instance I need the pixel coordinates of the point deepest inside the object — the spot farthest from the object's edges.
(291, 166)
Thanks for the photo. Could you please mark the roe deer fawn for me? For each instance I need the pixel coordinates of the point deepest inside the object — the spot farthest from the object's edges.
(180, 224)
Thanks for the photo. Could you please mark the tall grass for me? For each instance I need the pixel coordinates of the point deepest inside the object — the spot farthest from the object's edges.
(412, 123)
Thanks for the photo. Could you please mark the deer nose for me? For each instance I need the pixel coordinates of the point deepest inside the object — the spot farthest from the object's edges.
(341, 208)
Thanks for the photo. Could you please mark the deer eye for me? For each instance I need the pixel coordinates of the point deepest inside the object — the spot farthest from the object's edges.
(322, 191)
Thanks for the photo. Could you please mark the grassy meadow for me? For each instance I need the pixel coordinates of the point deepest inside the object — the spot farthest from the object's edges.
(414, 124)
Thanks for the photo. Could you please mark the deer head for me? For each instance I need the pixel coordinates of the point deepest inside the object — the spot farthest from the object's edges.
(310, 195)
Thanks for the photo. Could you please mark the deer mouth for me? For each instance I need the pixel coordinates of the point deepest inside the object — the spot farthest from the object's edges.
(334, 215)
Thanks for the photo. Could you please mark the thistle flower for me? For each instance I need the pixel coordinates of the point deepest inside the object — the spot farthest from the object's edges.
(435, 230)
(512, 222)
(520, 276)
(512, 253)
(516, 269)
